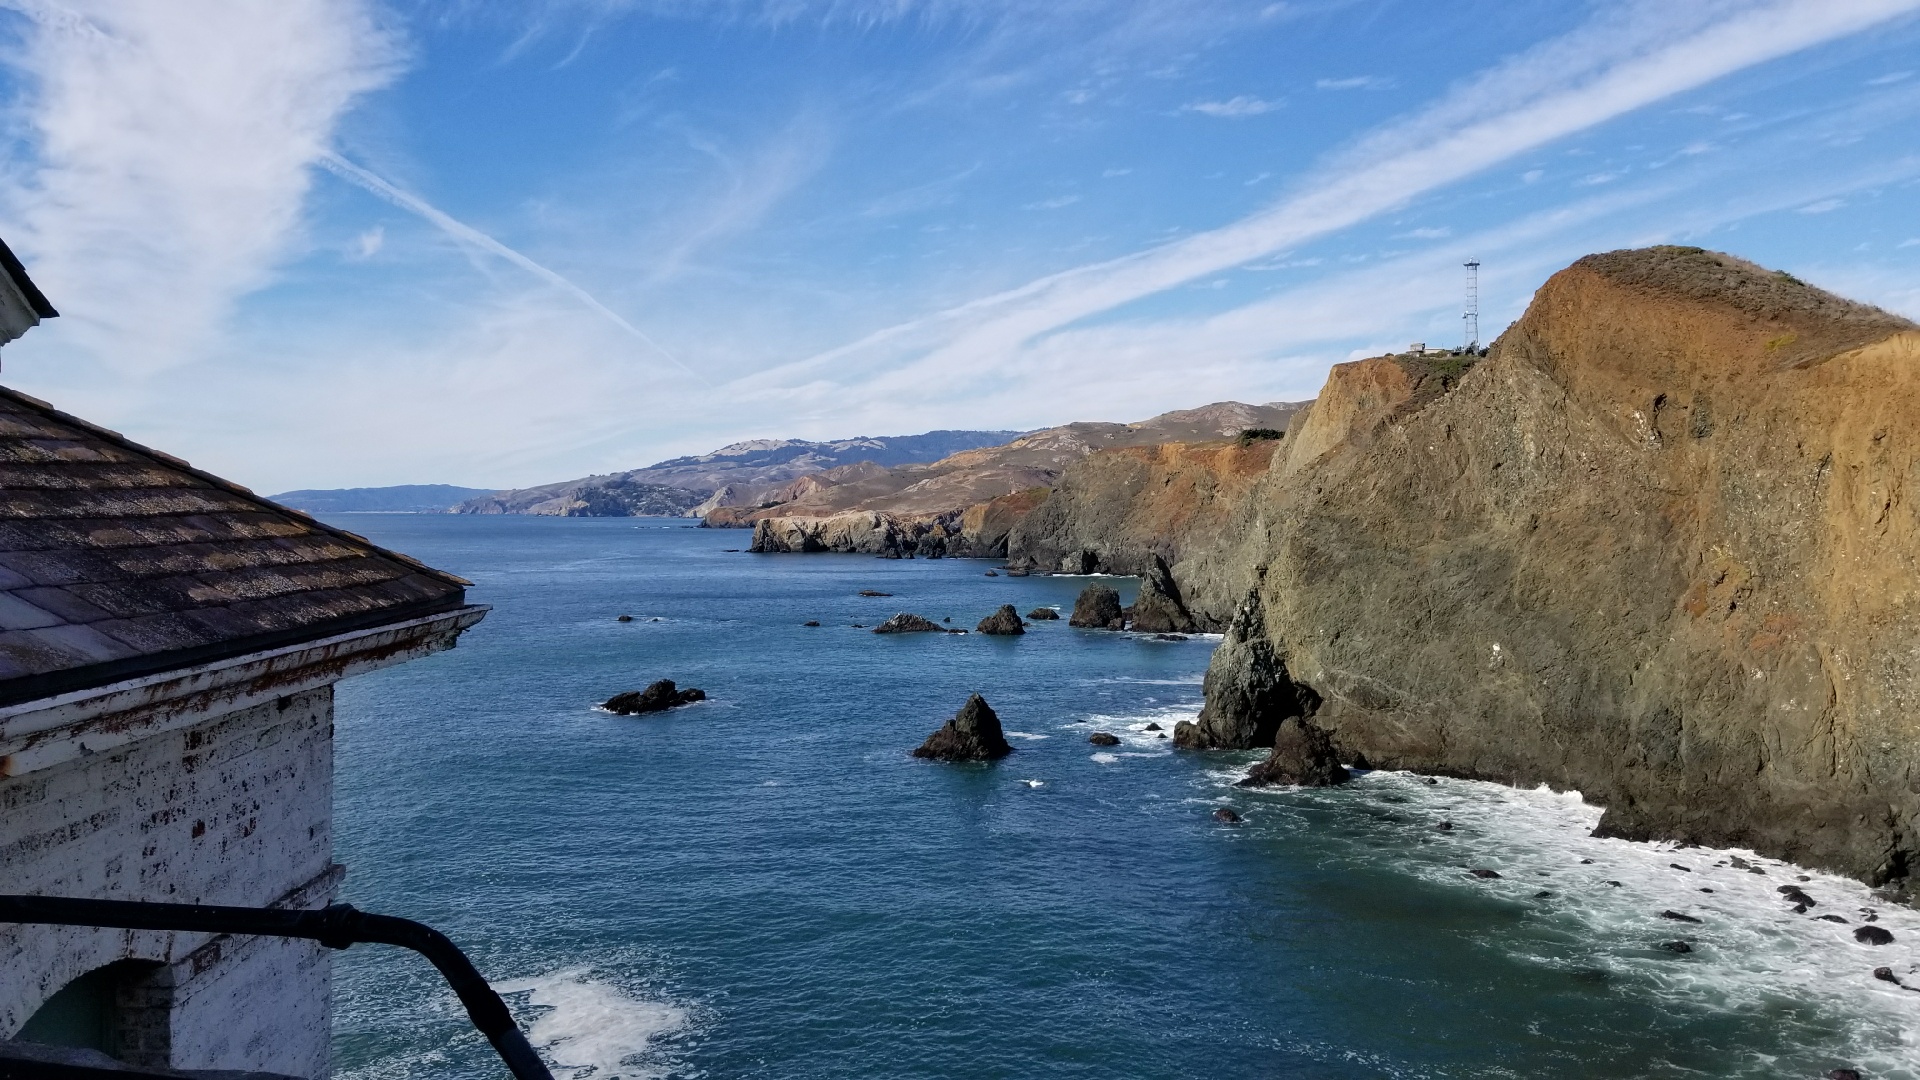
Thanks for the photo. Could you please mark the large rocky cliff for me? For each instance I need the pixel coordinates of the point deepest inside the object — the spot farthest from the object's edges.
(1657, 546)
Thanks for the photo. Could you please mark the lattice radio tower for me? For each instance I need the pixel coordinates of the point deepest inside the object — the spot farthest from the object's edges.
(1472, 315)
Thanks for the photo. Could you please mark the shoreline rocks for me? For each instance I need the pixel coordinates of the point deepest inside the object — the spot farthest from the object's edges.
(657, 697)
(1004, 622)
(1303, 756)
(972, 735)
(1158, 609)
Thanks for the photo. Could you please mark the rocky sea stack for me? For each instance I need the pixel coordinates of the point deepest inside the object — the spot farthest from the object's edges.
(657, 697)
(972, 735)
(1303, 756)
(1098, 608)
(1159, 609)
(1005, 621)
(1042, 614)
(908, 623)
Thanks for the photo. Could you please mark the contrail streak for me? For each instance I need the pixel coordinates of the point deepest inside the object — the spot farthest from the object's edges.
(467, 234)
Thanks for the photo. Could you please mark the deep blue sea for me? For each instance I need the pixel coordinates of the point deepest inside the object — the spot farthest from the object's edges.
(767, 885)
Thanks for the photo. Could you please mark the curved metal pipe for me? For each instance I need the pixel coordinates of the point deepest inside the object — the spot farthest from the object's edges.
(336, 927)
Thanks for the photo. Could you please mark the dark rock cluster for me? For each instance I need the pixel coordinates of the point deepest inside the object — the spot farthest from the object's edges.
(657, 697)
(1043, 614)
(908, 623)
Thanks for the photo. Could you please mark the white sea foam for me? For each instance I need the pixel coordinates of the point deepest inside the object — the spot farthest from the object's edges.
(1104, 758)
(1026, 735)
(588, 1027)
(1751, 950)
(1035, 783)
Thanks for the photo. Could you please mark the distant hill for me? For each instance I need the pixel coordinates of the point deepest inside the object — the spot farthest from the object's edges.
(739, 474)
(399, 499)
(976, 475)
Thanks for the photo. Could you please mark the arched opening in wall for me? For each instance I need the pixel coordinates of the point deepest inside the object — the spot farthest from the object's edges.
(122, 1010)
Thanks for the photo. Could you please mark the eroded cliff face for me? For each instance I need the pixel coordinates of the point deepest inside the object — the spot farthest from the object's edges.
(1658, 547)
(1183, 502)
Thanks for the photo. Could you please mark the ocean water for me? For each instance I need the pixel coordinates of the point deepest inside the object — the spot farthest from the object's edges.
(768, 885)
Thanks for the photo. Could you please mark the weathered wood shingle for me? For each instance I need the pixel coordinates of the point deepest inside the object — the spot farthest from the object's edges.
(118, 561)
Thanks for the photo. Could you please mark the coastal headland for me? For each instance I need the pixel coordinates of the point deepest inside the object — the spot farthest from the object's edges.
(1656, 546)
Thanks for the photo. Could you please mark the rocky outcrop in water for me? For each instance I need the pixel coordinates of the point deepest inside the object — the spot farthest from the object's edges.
(1248, 691)
(1657, 545)
(908, 623)
(1004, 622)
(1043, 614)
(1303, 756)
(1098, 608)
(972, 735)
(657, 697)
(1158, 609)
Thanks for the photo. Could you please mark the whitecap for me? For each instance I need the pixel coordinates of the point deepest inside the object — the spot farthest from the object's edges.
(1751, 949)
(591, 1028)
(1105, 758)
(1026, 735)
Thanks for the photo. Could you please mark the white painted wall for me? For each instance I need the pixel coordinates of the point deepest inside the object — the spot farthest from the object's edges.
(233, 809)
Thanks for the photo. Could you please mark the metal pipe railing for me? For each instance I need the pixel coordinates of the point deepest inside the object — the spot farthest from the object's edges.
(336, 927)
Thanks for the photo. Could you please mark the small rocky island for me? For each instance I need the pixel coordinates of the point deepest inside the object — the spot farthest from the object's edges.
(972, 735)
(1005, 621)
(908, 623)
(657, 697)
(1098, 608)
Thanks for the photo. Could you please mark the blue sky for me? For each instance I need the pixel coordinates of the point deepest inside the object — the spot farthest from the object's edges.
(336, 242)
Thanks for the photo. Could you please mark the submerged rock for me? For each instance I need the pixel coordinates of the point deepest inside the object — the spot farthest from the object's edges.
(874, 592)
(1873, 935)
(1158, 609)
(1484, 873)
(1005, 621)
(1225, 816)
(993, 573)
(1043, 614)
(811, 622)
(1303, 755)
(1676, 946)
(1098, 608)
(1677, 917)
(906, 623)
(1103, 738)
(972, 735)
(657, 697)
(624, 618)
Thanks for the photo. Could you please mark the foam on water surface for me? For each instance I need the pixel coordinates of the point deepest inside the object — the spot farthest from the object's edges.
(1751, 951)
(586, 1027)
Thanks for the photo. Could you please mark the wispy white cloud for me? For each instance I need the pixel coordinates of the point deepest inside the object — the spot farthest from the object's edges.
(1234, 107)
(1440, 233)
(1357, 82)
(1890, 78)
(474, 238)
(1824, 206)
(170, 160)
(1054, 203)
(1625, 60)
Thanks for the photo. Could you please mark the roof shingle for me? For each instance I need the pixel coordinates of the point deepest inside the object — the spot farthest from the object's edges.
(118, 561)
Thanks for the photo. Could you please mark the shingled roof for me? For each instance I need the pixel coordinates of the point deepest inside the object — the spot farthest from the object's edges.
(117, 561)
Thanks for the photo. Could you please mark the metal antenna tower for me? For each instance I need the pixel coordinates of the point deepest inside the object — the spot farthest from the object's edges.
(1472, 315)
